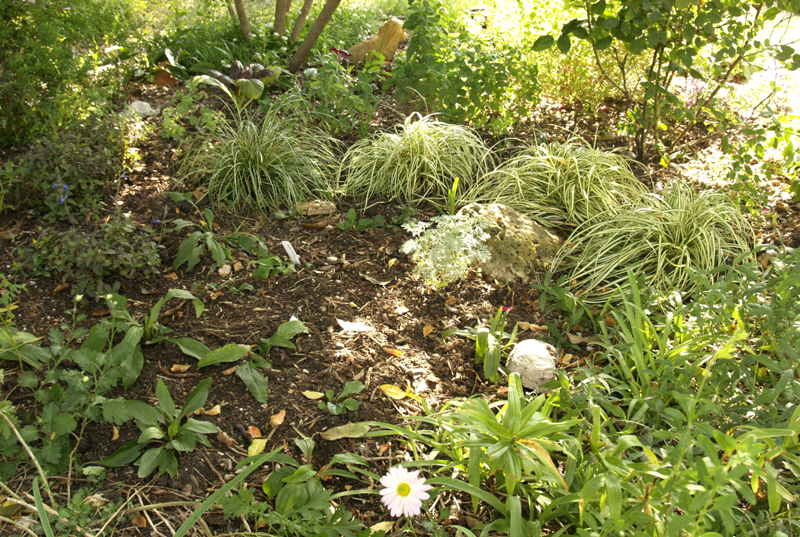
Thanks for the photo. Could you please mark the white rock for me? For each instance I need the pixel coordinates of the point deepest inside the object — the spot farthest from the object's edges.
(535, 361)
(141, 109)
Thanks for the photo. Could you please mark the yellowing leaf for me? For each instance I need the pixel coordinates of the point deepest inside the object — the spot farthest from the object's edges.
(426, 330)
(179, 368)
(393, 391)
(314, 395)
(229, 371)
(256, 447)
(213, 411)
(381, 526)
(171, 276)
(254, 432)
(115, 435)
(393, 352)
(277, 419)
(392, 261)
(351, 430)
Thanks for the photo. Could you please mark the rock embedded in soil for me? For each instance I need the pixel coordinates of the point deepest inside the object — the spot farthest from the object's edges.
(520, 247)
(535, 361)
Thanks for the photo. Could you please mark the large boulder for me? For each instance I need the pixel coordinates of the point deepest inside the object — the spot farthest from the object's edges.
(519, 246)
(535, 361)
(385, 41)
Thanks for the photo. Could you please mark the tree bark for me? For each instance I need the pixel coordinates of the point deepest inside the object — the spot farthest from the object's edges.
(243, 22)
(301, 19)
(313, 34)
(281, 8)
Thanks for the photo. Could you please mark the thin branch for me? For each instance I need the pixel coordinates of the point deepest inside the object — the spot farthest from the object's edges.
(17, 525)
(33, 458)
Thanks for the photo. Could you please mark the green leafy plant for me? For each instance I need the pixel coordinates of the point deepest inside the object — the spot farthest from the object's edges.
(16, 345)
(241, 82)
(73, 387)
(152, 330)
(560, 183)
(471, 77)
(352, 221)
(339, 404)
(193, 247)
(88, 260)
(492, 343)
(165, 425)
(272, 265)
(418, 162)
(663, 237)
(68, 174)
(706, 42)
(260, 164)
(445, 253)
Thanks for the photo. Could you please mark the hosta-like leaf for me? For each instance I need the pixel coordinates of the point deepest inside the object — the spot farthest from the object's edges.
(250, 88)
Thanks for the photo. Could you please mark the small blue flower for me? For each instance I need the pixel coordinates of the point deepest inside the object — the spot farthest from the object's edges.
(66, 187)
(124, 175)
(62, 201)
(55, 185)
(156, 221)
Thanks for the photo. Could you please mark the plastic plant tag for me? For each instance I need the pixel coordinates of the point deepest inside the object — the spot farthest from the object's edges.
(293, 257)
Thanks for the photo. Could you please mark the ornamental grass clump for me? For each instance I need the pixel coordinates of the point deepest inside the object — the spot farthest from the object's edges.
(559, 183)
(663, 237)
(261, 164)
(417, 162)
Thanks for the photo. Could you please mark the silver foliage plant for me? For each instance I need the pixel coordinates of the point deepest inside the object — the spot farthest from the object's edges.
(447, 252)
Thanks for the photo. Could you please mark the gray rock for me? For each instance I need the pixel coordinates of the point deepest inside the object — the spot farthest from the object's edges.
(535, 361)
(520, 247)
(141, 109)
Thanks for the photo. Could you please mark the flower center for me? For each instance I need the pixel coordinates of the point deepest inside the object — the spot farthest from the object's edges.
(403, 489)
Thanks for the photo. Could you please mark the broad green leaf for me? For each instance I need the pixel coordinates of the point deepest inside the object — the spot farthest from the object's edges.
(301, 475)
(124, 455)
(229, 353)
(149, 434)
(197, 398)
(256, 382)
(564, 43)
(205, 79)
(199, 426)
(142, 412)
(250, 87)
(190, 347)
(165, 401)
(354, 386)
(151, 459)
(187, 252)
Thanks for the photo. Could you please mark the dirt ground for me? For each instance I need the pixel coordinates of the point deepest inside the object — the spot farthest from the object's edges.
(344, 276)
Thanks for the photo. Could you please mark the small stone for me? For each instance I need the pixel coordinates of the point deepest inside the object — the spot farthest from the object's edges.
(535, 361)
(141, 109)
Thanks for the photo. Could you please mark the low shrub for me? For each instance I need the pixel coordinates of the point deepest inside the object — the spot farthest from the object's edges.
(92, 262)
(263, 163)
(70, 174)
(663, 238)
(560, 183)
(418, 162)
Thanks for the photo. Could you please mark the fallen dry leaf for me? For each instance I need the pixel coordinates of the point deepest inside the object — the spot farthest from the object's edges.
(60, 287)
(382, 449)
(223, 437)
(216, 410)
(610, 321)
(216, 295)
(199, 193)
(426, 330)
(450, 301)
(225, 270)
(392, 262)
(277, 419)
(238, 266)
(179, 368)
(577, 340)
(532, 327)
(316, 225)
(393, 352)
(171, 276)
(381, 526)
(115, 434)
(139, 521)
(254, 432)
(763, 260)
(230, 370)
(313, 395)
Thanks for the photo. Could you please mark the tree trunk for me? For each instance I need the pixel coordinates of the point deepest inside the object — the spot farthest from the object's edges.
(313, 34)
(301, 19)
(243, 22)
(281, 8)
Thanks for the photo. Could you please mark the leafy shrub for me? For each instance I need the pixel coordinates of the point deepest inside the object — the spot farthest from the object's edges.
(418, 162)
(662, 237)
(462, 73)
(559, 183)
(87, 260)
(70, 173)
(446, 253)
(43, 82)
(263, 163)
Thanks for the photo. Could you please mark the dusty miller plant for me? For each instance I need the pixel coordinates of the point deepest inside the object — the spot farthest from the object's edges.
(445, 253)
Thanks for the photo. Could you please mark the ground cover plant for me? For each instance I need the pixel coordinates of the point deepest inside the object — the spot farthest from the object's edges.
(188, 347)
